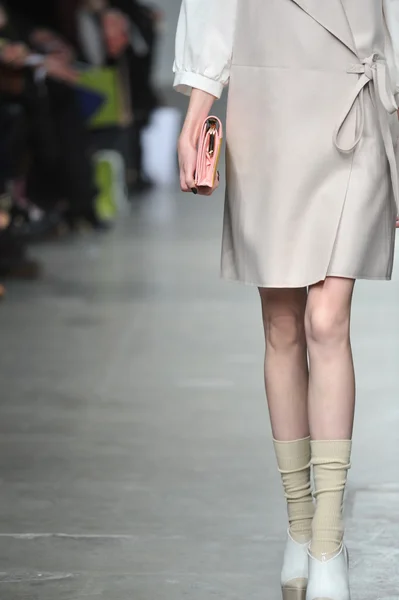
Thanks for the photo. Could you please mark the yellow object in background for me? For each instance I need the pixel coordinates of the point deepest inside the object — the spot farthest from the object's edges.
(106, 208)
(104, 81)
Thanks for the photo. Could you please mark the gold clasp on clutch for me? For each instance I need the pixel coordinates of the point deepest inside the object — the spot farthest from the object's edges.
(212, 136)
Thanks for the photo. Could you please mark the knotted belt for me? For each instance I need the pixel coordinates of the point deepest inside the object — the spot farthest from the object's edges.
(373, 69)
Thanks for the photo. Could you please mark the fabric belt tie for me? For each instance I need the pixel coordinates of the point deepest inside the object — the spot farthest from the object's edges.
(373, 69)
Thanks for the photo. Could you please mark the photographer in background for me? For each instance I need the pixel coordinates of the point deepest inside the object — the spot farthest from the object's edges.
(60, 169)
(122, 33)
(144, 23)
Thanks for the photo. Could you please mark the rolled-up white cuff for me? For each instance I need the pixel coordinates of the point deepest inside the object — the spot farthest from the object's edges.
(185, 81)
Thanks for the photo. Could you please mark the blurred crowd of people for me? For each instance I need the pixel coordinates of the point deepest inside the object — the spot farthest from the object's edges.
(47, 172)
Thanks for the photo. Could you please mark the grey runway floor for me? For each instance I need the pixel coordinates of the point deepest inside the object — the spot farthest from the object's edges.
(136, 460)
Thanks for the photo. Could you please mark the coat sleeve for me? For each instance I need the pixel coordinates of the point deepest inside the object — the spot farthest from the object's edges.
(391, 13)
(204, 45)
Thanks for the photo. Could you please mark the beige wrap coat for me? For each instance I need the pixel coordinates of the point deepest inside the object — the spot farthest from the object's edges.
(312, 176)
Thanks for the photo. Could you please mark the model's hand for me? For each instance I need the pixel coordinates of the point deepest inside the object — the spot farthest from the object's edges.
(397, 222)
(187, 162)
(199, 107)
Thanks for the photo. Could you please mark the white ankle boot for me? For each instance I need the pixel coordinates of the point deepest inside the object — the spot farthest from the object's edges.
(294, 576)
(329, 579)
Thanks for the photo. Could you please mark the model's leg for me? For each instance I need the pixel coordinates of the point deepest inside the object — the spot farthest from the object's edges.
(332, 379)
(286, 368)
(286, 377)
(331, 412)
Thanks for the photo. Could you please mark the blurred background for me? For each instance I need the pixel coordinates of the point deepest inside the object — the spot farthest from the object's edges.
(87, 118)
(135, 451)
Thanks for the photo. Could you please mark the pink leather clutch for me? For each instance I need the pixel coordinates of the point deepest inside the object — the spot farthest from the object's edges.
(209, 148)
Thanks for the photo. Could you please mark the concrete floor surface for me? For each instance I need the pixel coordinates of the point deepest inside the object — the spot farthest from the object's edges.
(135, 451)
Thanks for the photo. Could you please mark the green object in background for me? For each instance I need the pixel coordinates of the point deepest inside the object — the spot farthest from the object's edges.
(106, 208)
(104, 81)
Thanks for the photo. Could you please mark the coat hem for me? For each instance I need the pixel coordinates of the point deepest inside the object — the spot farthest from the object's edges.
(303, 285)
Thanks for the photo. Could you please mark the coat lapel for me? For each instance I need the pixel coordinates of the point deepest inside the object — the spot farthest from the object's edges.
(331, 15)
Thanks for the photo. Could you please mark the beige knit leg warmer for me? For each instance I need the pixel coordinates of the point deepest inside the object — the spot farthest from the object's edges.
(331, 462)
(293, 460)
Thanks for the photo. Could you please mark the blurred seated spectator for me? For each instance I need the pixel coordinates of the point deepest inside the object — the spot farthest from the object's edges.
(60, 171)
(124, 33)
(103, 39)
(13, 257)
(46, 171)
(144, 21)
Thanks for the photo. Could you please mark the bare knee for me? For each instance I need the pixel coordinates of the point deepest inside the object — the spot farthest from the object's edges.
(284, 331)
(326, 324)
(283, 320)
